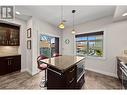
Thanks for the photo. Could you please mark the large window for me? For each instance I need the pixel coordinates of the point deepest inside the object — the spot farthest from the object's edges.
(90, 44)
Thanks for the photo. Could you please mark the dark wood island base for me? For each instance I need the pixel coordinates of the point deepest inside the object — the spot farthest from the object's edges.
(70, 77)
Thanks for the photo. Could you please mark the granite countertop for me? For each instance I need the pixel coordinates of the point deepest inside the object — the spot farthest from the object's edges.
(5, 55)
(62, 62)
(123, 59)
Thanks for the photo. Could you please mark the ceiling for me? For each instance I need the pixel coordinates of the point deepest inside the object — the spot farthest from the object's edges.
(52, 14)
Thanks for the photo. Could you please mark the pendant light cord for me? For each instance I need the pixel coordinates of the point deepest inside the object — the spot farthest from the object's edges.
(61, 13)
(73, 11)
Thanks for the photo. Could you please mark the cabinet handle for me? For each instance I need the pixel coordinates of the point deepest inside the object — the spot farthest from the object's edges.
(54, 71)
(72, 70)
(71, 80)
(8, 62)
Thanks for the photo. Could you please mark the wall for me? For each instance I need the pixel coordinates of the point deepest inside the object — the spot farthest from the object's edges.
(114, 43)
(40, 27)
(18, 49)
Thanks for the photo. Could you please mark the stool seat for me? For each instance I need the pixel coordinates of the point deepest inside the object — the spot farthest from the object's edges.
(43, 66)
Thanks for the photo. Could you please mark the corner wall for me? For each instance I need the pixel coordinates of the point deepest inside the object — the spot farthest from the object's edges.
(39, 27)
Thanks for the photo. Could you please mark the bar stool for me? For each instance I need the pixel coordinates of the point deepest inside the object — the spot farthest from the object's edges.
(42, 66)
(56, 55)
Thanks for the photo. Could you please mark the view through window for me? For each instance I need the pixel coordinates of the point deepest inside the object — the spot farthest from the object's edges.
(90, 44)
(49, 45)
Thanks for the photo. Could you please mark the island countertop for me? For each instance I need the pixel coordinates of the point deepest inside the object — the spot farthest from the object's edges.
(62, 62)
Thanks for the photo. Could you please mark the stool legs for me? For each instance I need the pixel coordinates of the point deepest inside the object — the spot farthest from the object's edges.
(43, 83)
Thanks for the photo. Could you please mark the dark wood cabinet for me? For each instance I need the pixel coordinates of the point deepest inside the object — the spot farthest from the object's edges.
(10, 64)
(9, 35)
(119, 71)
(63, 80)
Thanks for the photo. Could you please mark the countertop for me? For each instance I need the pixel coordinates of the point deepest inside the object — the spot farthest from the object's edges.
(123, 59)
(62, 62)
(5, 55)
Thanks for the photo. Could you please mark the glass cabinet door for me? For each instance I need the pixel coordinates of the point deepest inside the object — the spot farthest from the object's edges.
(9, 35)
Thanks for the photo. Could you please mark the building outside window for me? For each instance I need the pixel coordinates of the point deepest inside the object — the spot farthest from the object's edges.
(90, 44)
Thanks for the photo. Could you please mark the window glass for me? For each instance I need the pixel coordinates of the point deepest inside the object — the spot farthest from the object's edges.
(90, 45)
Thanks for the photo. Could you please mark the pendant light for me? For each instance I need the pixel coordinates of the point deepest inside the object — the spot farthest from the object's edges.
(73, 30)
(61, 25)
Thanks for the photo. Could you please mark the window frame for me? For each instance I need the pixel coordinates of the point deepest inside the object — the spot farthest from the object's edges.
(87, 41)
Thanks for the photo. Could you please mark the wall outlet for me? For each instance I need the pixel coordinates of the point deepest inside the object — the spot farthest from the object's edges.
(125, 51)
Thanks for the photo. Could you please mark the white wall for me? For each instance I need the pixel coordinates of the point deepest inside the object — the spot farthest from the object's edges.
(115, 42)
(22, 47)
(39, 27)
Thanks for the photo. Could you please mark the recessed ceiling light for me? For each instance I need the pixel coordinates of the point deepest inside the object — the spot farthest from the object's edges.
(18, 13)
(125, 14)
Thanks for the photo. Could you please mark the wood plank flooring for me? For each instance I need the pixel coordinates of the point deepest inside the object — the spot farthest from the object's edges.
(22, 80)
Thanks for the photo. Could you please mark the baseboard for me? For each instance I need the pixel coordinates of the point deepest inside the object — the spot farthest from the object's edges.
(102, 72)
(23, 70)
(26, 70)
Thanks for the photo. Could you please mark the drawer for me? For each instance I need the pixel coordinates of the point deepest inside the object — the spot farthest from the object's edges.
(80, 83)
(70, 75)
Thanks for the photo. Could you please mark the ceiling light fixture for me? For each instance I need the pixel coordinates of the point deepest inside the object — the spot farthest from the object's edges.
(125, 14)
(73, 30)
(61, 25)
(18, 13)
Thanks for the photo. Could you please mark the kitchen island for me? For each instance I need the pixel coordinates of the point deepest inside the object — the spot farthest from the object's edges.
(65, 72)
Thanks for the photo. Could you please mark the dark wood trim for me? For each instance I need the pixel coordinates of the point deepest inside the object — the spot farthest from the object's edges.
(90, 34)
(9, 26)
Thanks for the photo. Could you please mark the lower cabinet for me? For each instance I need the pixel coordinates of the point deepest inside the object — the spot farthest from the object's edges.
(63, 80)
(10, 64)
(119, 72)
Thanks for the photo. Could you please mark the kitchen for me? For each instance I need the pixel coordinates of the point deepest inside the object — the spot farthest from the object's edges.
(94, 41)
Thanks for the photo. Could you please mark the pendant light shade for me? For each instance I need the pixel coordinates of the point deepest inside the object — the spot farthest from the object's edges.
(73, 30)
(61, 25)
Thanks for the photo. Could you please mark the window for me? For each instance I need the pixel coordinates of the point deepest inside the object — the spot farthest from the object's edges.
(90, 44)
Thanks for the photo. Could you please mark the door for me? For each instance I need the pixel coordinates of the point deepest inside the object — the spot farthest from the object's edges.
(49, 45)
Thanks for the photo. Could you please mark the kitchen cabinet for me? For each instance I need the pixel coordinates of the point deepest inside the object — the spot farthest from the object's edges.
(9, 35)
(122, 71)
(10, 64)
(59, 80)
(65, 72)
(119, 71)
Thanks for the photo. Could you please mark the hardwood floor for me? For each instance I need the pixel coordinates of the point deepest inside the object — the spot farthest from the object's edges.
(22, 80)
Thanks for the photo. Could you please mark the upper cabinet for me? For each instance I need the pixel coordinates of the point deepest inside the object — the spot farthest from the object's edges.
(9, 35)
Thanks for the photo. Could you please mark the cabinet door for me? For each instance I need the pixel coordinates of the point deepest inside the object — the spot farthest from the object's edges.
(3, 66)
(9, 61)
(17, 63)
(9, 35)
(119, 72)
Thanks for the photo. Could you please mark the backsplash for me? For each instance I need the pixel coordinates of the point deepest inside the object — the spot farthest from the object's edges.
(8, 50)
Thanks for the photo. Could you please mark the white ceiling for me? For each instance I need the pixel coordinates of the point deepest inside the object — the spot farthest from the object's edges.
(120, 10)
(52, 14)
